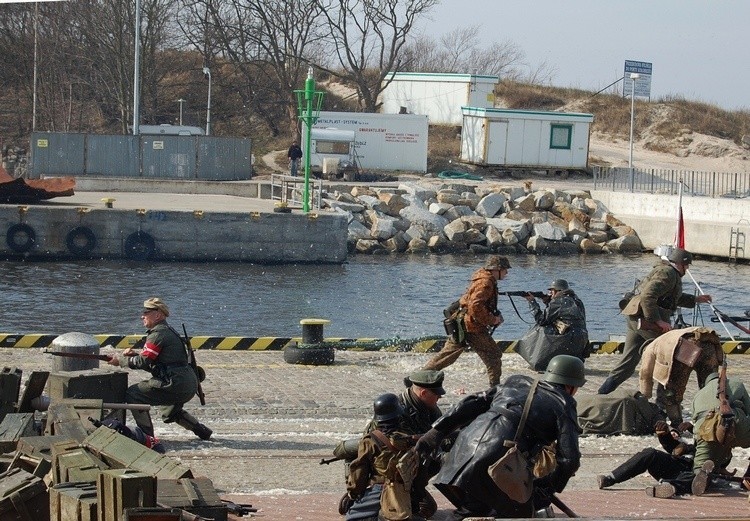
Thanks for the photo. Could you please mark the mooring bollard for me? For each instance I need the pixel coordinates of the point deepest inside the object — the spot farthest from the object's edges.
(312, 350)
(312, 330)
(75, 343)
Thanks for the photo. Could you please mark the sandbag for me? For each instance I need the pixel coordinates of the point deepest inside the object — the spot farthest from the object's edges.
(623, 411)
(541, 344)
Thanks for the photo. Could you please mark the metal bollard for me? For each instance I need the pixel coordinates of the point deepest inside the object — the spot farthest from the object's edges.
(75, 343)
(312, 330)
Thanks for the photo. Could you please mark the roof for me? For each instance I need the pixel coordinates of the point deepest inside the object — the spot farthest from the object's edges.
(527, 114)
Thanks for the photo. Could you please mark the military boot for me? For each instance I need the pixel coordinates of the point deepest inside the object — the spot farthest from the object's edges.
(143, 420)
(189, 422)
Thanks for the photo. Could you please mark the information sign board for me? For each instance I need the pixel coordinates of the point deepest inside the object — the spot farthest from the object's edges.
(643, 83)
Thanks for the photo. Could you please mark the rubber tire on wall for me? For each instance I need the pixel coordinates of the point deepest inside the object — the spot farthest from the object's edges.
(293, 354)
(24, 230)
(139, 246)
(81, 241)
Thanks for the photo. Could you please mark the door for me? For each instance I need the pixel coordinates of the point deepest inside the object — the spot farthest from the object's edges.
(497, 139)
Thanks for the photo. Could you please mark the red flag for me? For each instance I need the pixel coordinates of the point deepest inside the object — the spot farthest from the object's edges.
(679, 238)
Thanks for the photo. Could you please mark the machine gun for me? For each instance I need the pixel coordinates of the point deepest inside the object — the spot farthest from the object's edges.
(537, 294)
(200, 373)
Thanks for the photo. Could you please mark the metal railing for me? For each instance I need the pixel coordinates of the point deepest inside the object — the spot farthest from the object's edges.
(291, 189)
(661, 181)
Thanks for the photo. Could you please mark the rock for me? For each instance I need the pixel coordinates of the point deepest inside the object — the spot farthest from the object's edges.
(621, 231)
(417, 246)
(359, 191)
(526, 203)
(544, 200)
(589, 246)
(577, 227)
(368, 246)
(373, 203)
(345, 197)
(416, 231)
(510, 238)
(494, 237)
(598, 236)
(479, 249)
(612, 221)
(457, 211)
(598, 226)
(455, 231)
(423, 217)
(395, 203)
(417, 190)
(397, 243)
(448, 197)
(522, 229)
(536, 244)
(469, 199)
(347, 207)
(473, 236)
(439, 208)
(491, 204)
(475, 222)
(382, 229)
(550, 231)
(625, 244)
(357, 231)
(439, 244)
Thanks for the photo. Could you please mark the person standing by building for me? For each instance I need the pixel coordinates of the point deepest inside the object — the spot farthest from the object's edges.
(478, 316)
(173, 382)
(487, 419)
(294, 154)
(647, 313)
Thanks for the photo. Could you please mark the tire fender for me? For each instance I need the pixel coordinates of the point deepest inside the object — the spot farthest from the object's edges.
(20, 237)
(139, 246)
(309, 355)
(81, 241)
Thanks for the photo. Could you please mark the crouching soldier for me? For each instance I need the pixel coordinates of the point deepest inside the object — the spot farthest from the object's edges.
(383, 471)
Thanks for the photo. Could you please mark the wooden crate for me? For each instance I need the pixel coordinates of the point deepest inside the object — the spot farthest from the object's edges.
(196, 495)
(118, 489)
(73, 502)
(13, 427)
(23, 497)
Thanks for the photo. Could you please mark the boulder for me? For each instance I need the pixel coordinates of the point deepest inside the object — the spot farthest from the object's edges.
(357, 231)
(368, 246)
(544, 200)
(470, 199)
(397, 243)
(491, 204)
(448, 197)
(550, 231)
(341, 205)
(621, 231)
(423, 217)
(417, 246)
(359, 191)
(382, 229)
(494, 237)
(475, 222)
(625, 244)
(455, 231)
(510, 238)
(373, 203)
(522, 229)
(417, 190)
(394, 202)
(598, 236)
(416, 231)
(589, 246)
(527, 203)
(457, 211)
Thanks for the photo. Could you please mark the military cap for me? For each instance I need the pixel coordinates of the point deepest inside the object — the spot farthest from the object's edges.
(497, 262)
(155, 303)
(559, 285)
(680, 256)
(427, 378)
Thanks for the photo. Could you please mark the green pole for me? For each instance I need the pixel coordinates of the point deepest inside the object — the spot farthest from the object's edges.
(309, 94)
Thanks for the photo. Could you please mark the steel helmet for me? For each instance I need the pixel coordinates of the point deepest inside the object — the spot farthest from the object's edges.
(387, 407)
(566, 370)
(559, 285)
(680, 256)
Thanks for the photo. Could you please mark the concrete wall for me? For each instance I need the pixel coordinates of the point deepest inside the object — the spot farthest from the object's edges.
(708, 221)
(185, 236)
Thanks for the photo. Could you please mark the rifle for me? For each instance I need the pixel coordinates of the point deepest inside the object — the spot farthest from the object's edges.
(537, 294)
(562, 506)
(87, 356)
(200, 373)
(725, 428)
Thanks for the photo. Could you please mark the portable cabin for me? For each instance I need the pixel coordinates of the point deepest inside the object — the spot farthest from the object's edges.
(330, 146)
(438, 96)
(525, 138)
(170, 130)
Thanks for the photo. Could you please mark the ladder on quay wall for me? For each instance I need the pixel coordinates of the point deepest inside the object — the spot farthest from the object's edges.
(736, 244)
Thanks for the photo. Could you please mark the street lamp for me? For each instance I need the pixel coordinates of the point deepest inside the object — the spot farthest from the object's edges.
(207, 72)
(181, 101)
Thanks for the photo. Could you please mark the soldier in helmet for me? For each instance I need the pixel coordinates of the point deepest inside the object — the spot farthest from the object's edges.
(490, 418)
(376, 488)
(478, 317)
(647, 313)
(564, 309)
(173, 382)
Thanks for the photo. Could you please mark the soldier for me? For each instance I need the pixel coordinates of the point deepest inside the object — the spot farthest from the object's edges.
(660, 293)
(564, 309)
(173, 382)
(479, 317)
(490, 418)
(375, 479)
(665, 360)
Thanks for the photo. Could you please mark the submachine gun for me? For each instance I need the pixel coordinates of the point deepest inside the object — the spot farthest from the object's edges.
(200, 373)
(537, 294)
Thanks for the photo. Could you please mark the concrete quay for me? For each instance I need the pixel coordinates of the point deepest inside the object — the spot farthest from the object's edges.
(273, 422)
(170, 226)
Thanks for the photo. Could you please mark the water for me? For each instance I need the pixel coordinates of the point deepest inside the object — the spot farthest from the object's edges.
(370, 296)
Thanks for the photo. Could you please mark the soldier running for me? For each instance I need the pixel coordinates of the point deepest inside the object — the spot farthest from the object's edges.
(480, 317)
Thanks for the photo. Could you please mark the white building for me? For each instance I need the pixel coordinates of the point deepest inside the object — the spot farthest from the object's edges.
(438, 96)
(525, 138)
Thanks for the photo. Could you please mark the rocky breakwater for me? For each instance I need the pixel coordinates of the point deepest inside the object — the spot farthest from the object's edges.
(450, 218)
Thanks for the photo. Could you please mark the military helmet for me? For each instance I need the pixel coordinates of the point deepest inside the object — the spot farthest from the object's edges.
(387, 407)
(680, 256)
(566, 370)
(559, 285)
(497, 262)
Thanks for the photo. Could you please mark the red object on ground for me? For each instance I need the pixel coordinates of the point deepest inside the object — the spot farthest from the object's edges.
(22, 191)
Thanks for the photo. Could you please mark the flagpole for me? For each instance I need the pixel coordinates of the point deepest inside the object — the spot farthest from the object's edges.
(679, 238)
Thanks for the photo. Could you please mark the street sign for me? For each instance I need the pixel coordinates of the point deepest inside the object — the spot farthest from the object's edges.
(643, 83)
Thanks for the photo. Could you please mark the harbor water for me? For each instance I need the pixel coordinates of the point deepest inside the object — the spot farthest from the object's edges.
(367, 297)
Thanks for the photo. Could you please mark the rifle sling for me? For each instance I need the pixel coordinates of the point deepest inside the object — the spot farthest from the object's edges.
(526, 408)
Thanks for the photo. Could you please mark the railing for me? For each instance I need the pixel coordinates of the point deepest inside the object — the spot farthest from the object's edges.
(291, 190)
(661, 181)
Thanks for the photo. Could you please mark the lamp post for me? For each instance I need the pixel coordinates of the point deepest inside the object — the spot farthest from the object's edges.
(207, 72)
(137, 71)
(181, 101)
(633, 76)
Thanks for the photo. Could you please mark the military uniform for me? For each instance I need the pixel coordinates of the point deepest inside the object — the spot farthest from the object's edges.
(480, 305)
(173, 381)
(660, 294)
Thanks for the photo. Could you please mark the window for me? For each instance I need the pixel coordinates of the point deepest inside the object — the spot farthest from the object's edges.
(560, 136)
(332, 147)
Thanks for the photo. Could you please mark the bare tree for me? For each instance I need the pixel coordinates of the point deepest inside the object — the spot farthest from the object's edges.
(367, 39)
(268, 44)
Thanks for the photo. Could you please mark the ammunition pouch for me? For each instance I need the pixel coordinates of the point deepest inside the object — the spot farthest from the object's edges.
(719, 428)
(200, 373)
(454, 322)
